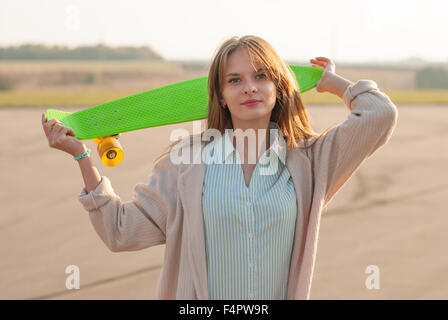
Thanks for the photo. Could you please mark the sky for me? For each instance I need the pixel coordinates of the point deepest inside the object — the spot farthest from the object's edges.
(349, 31)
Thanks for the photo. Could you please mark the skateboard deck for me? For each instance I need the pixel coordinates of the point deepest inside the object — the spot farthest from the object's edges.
(175, 103)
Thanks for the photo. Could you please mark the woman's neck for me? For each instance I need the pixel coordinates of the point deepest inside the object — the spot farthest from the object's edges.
(251, 141)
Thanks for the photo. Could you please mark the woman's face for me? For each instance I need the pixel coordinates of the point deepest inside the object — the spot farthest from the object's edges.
(244, 83)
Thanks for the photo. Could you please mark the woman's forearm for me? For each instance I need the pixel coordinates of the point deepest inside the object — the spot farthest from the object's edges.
(90, 173)
(338, 85)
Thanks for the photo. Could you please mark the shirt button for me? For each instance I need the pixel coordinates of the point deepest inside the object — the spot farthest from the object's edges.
(248, 203)
(251, 265)
(251, 235)
(251, 295)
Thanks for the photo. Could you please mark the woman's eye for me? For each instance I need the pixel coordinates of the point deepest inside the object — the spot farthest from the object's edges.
(262, 76)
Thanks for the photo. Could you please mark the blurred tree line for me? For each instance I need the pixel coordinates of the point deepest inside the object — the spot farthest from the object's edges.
(426, 77)
(432, 78)
(98, 52)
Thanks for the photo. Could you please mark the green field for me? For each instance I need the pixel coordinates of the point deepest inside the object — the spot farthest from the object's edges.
(61, 84)
(90, 98)
(35, 66)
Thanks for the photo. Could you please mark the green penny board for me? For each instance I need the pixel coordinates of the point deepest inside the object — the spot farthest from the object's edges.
(175, 103)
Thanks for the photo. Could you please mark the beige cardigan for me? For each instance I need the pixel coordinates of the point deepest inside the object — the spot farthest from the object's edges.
(168, 209)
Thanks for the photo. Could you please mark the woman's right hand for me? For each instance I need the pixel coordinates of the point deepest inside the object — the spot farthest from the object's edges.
(62, 138)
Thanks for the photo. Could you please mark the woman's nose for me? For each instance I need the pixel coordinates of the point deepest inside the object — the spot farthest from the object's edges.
(250, 87)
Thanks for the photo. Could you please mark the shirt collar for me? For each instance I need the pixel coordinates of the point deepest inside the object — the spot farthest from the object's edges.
(223, 148)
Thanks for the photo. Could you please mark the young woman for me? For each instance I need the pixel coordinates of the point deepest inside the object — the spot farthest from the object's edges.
(232, 231)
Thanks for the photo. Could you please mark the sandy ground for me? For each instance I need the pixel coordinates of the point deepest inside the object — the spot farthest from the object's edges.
(391, 214)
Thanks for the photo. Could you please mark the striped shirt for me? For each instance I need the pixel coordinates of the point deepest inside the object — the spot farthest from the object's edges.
(249, 231)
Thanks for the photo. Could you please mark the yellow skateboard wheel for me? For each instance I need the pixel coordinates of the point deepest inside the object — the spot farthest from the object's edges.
(110, 151)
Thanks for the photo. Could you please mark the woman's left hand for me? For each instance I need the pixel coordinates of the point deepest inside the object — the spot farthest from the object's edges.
(325, 82)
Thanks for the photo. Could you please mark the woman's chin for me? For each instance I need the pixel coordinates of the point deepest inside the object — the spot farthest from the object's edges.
(252, 116)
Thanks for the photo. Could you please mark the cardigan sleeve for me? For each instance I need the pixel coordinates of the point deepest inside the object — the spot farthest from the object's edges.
(139, 223)
(340, 151)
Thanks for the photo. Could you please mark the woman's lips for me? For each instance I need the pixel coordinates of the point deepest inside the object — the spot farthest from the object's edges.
(251, 103)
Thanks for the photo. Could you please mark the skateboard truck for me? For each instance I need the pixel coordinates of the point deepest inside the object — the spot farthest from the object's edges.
(109, 150)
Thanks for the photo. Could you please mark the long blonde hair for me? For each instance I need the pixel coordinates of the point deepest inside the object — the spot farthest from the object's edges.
(289, 112)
